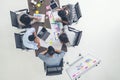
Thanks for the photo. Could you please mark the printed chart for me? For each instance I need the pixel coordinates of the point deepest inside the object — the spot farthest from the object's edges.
(81, 66)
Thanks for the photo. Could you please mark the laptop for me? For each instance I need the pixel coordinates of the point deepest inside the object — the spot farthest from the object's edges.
(43, 34)
(53, 4)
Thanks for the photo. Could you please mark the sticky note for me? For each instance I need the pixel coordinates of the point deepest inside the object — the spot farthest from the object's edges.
(48, 7)
(37, 12)
(38, 5)
(50, 43)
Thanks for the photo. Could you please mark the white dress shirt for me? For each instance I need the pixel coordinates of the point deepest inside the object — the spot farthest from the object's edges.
(26, 42)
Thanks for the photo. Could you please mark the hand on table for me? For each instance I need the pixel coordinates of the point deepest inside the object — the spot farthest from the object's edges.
(58, 19)
(37, 18)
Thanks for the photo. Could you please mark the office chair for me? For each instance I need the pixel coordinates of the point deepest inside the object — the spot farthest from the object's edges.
(74, 35)
(18, 41)
(14, 20)
(54, 70)
(74, 14)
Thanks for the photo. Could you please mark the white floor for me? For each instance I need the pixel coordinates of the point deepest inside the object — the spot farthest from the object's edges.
(100, 24)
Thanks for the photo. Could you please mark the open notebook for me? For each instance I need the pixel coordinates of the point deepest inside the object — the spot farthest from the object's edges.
(43, 33)
(41, 16)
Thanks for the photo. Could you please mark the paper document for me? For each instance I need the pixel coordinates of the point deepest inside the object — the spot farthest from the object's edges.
(43, 43)
(41, 16)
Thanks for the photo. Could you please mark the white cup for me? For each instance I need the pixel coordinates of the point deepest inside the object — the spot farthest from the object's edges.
(34, 2)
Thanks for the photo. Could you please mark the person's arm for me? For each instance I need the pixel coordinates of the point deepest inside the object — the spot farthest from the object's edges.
(44, 52)
(37, 39)
(35, 19)
(58, 9)
(63, 8)
(38, 44)
(62, 21)
(42, 55)
(57, 51)
(62, 53)
(35, 34)
(65, 22)
(31, 16)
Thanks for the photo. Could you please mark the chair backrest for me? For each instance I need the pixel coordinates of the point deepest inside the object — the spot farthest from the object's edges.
(54, 70)
(14, 19)
(18, 41)
(74, 36)
(74, 14)
(77, 9)
(78, 37)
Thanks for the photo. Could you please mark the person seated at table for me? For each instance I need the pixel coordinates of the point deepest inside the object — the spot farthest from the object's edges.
(63, 13)
(31, 40)
(51, 56)
(63, 38)
(26, 19)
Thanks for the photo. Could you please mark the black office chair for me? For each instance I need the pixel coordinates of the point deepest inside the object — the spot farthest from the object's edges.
(74, 14)
(14, 20)
(74, 35)
(19, 42)
(77, 37)
(54, 70)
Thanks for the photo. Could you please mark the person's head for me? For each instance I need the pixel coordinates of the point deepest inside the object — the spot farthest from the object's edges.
(25, 19)
(31, 37)
(63, 38)
(62, 13)
(51, 50)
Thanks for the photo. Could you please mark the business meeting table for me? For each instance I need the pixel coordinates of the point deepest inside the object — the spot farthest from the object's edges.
(42, 10)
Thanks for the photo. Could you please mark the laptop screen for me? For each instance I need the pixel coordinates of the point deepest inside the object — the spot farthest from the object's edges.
(43, 34)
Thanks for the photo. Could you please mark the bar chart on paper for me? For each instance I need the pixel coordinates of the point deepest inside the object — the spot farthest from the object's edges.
(81, 66)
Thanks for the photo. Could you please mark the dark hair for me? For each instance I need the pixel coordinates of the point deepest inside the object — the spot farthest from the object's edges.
(31, 37)
(51, 1)
(25, 19)
(62, 13)
(51, 50)
(63, 38)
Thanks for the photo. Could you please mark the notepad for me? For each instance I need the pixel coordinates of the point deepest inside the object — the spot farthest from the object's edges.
(41, 16)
